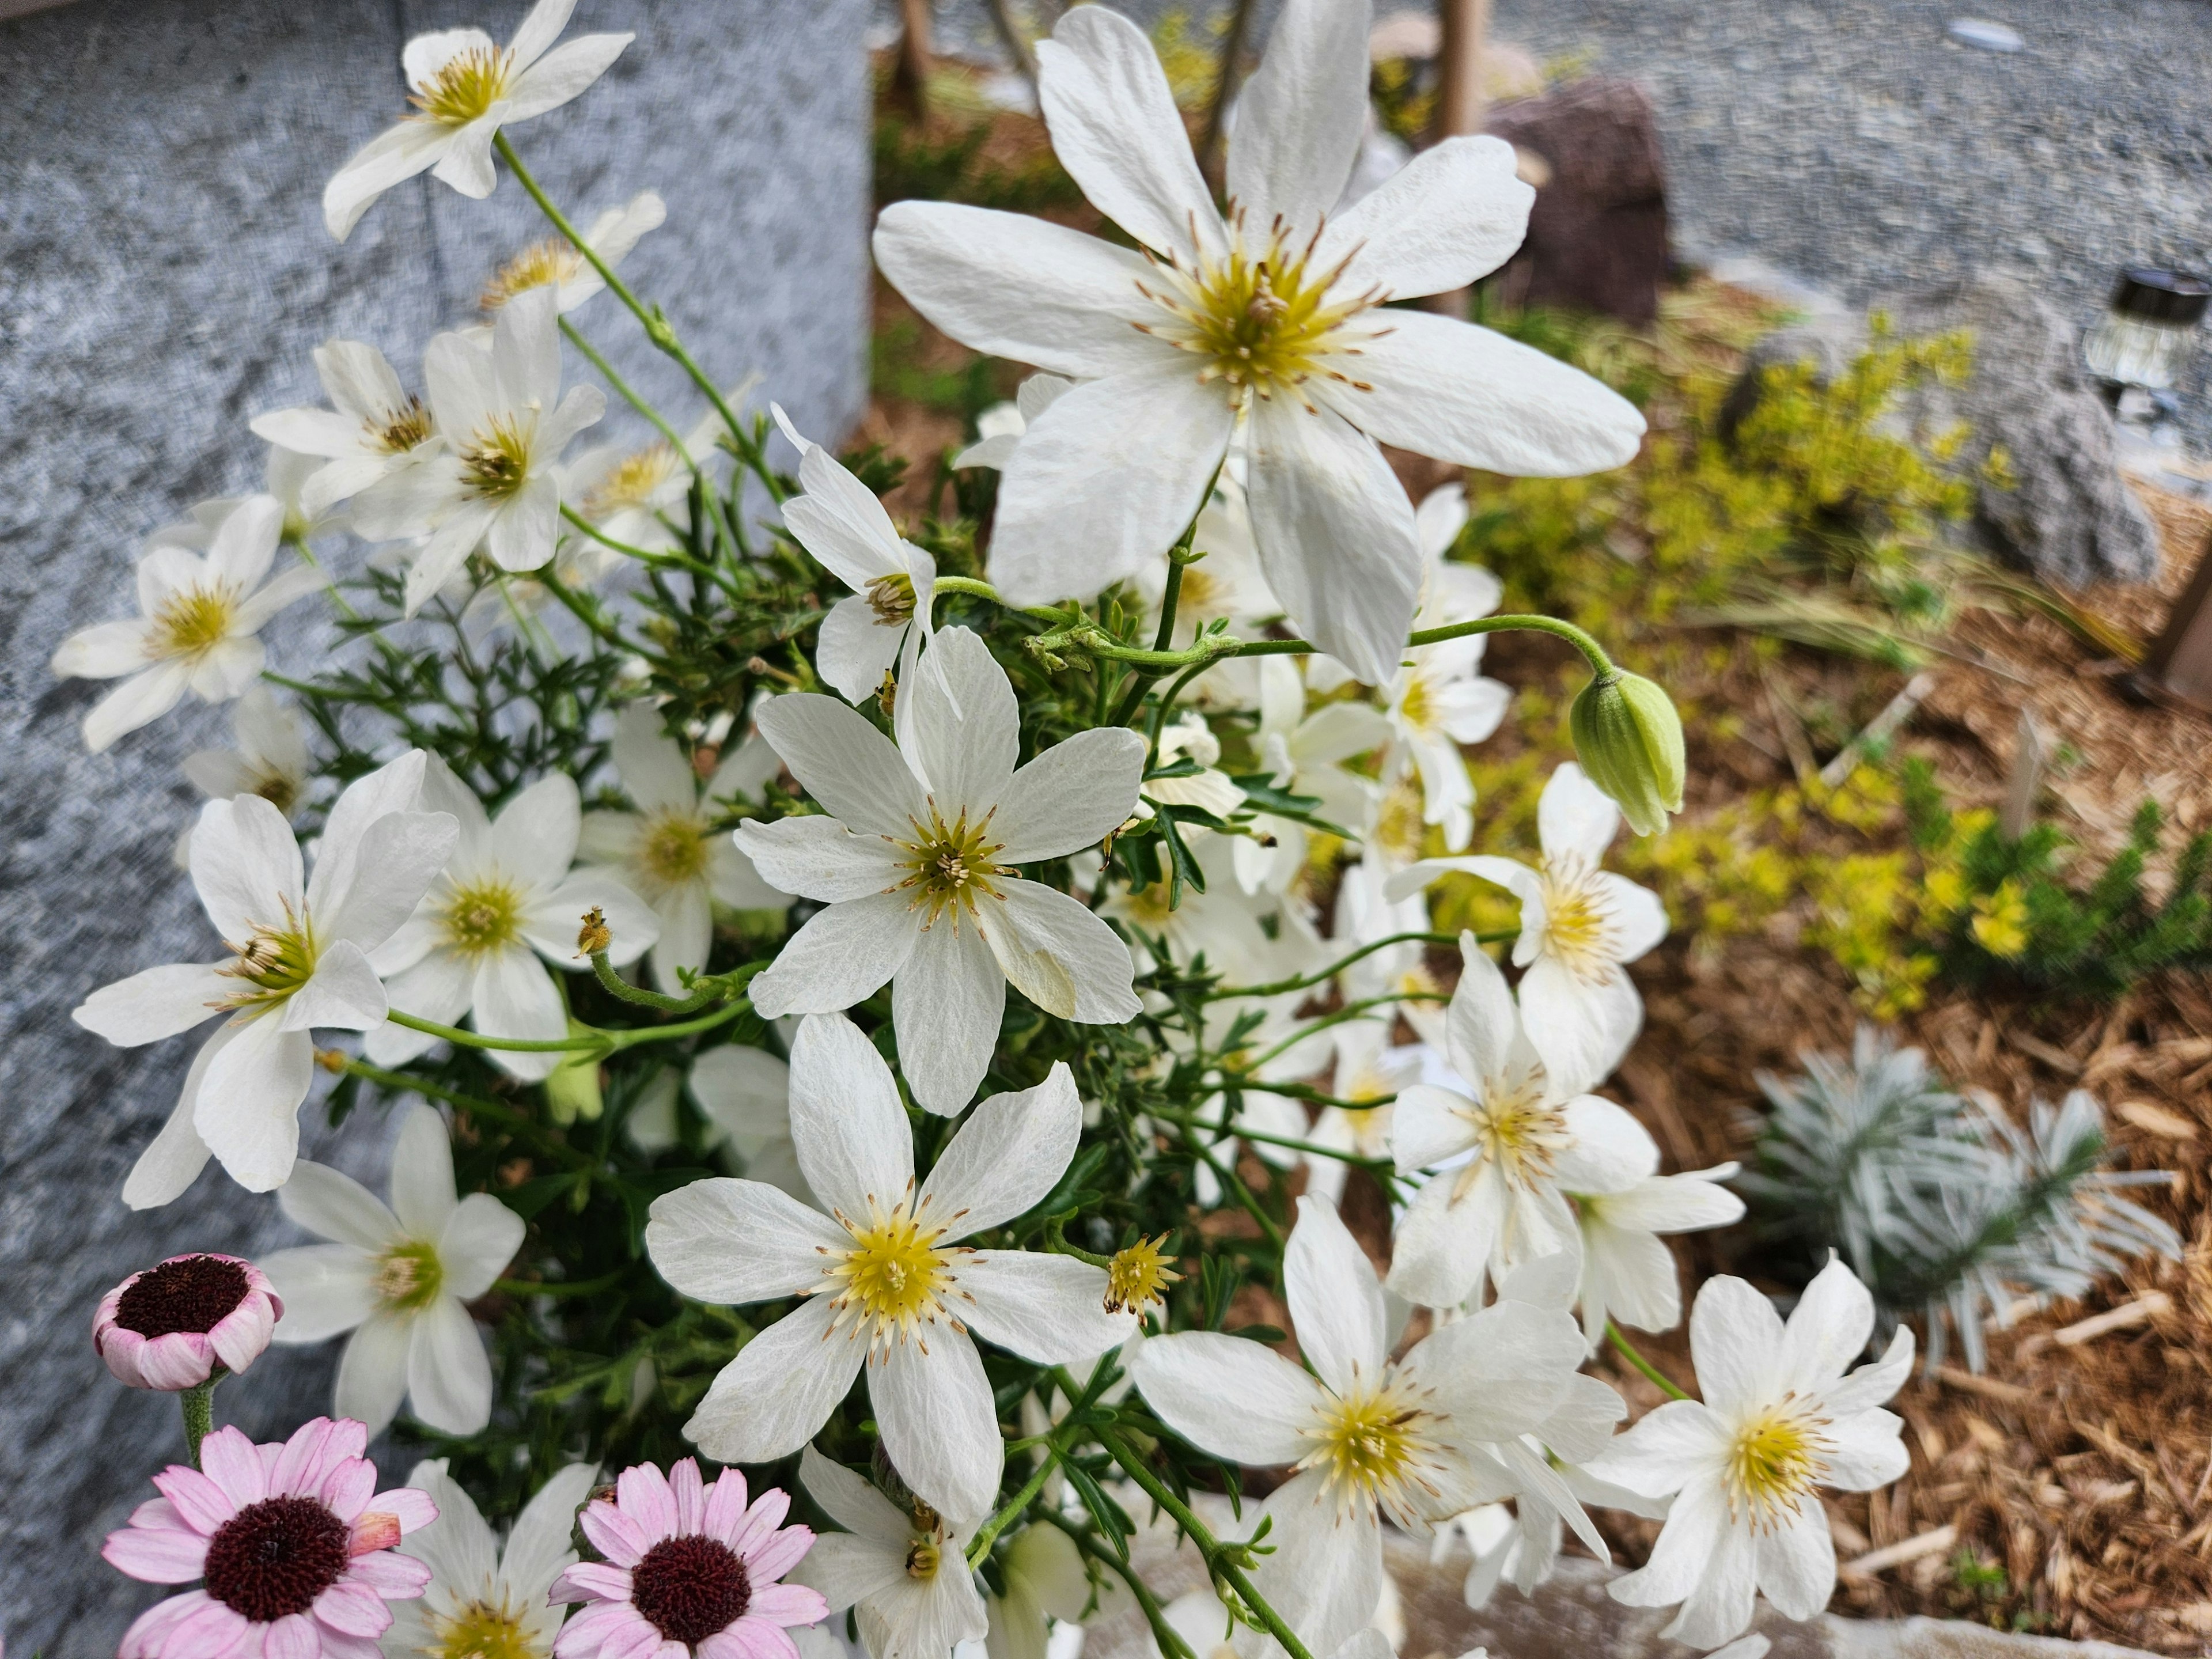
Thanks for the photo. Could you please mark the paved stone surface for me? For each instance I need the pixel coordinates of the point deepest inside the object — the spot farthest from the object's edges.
(163, 276)
(1855, 144)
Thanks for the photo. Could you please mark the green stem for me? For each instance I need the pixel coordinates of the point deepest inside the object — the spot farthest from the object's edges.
(1322, 976)
(644, 1034)
(616, 985)
(1234, 1183)
(1172, 1644)
(650, 318)
(198, 1405)
(1178, 557)
(645, 556)
(518, 1124)
(1090, 637)
(1217, 1554)
(969, 585)
(1627, 1351)
(980, 1544)
(1337, 1016)
(1372, 1166)
(454, 1035)
(559, 1287)
(622, 391)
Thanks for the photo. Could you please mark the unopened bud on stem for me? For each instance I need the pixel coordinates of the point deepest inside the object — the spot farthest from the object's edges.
(1628, 740)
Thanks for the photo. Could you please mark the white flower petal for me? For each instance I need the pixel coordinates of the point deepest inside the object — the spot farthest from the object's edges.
(478, 1242)
(325, 1289)
(1428, 1125)
(1061, 957)
(397, 153)
(1865, 1450)
(731, 1243)
(1639, 918)
(1106, 480)
(1797, 1559)
(1581, 1030)
(769, 1401)
(1233, 1398)
(246, 866)
(1736, 1344)
(1301, 116)
(1007, 1157)
(248, 1108)
(818, 858)
(1011, 286)
(1442, 1247)
(448, 1373)
(843, 954)
(686, 915)
(1575, 818)
(948, 1001)
(1049, 1309)
(424, 1197)
(1482, 1025)
(965, 731)
(1454, 212)
(372, 1372)
(336, 1206)
(1336, 534)
(538, 1547)
(1827, 1329)
(847, 1119)
(551, 925)
(174, 1158)
(103, 652)
(158, 1003)
(563, 73)
(514, 998)
(844, 763)
(1071, 796)
(854, 650)
(939, 1424)
(1116, 130)
(653, 770)
(854, 1504)
(344, 991)
(1326, 1575)
(1336, 1301)
(1871, 1384)
(1612, 1151)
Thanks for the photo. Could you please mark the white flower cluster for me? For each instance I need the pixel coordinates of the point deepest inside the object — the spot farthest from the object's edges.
(1203, 446)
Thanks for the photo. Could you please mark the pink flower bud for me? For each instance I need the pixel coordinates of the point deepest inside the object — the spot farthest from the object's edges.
(170, 1327)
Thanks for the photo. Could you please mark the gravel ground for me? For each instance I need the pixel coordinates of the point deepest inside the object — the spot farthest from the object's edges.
(1853, 145)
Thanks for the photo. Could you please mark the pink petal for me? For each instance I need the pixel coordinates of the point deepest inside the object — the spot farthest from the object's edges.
(150, 1631)
(293, 1637)
(234, 1463)
(755, 1638)
(787, 1604)
(204, 1505)
(690, 1492)
(397, 1577)
(726, 1507)
(156, 1555)
(764, 1517)
(613, 1534)
(413, 1508)
(182, 1359)
(584, 1633)
(213, 1632)
(636, 1641)
(642, 1493)
(592, 1581)
(122, 1349)
(338, 1645)
(159, 1512)
(353, 1609)
(779, 1554)
(374, 1532)
(241, 1335)
(301, 1470)
(346, 1489)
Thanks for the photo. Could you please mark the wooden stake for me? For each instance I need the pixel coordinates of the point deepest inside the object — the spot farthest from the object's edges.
(2180, 662)
(2027, 780)
(1461, 107)
(910, 80)
(1002, 21)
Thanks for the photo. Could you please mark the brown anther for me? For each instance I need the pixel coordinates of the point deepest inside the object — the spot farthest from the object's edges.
(594, 936)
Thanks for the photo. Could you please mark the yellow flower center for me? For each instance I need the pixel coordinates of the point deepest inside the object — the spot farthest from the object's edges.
(923, 1557)
(895, 1278)
(1776, 1459)
(1375, 1446)
(193, 622)
(1577, 927)
(1399, 828)
(466, 88)
(1261, 316)
(482, 918)
(1417, 706)
(398, 430)
(408, 1276)
(1519, 1132)
(634, 482)
(673, 848)
(1137, 1277)
(274, 960)
(950, 864)
(542, 265)
(279, 789)
(891, 598)
(481, 1631)
(495, 460)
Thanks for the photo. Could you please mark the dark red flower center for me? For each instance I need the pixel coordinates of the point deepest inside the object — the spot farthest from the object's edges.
(274, 1558)
(690, 1588)
(192, 1293)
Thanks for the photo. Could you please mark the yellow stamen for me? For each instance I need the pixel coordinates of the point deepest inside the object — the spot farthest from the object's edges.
(674, 849)
(396, 431)
(274, 960)
(408, 1276)
(466, 88)
(891, 598)
(1376, 1446)
(193, 622)
(482, 918)
(496, 461)
(480, 1630)
(1519, 1132)
(542, 265)
(1578, 930)
(634, 483)
(1138, 1277)
(896, 1276)
(950, 863)
(1775, 1462)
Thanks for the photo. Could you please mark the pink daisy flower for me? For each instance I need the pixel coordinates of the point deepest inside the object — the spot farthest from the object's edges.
(293, 1553)
(170, 1327)
(688, 1570)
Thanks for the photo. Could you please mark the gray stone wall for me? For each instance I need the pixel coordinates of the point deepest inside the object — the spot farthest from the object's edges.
(164, 275)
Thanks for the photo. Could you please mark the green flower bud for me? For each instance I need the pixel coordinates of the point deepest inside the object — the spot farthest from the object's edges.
(573, 1090)
(1628, 740)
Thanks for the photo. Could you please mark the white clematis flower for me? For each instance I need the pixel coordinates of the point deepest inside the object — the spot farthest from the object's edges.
(1304, 754)
(917, 860)
(1420, 1440)
(903, 1571)
(397, 1276)
(1627, 1274)
(497, 480)
(558, 264)
(198, 624)
(464, 89)
(372, 429)
(1268, 319)
(299, 959)
(505, 905)
(1535, 1135)
(485, 1600)
(1781, 1417)
(640, 497)
(1364, 916)
(270, 759)
(839, 520)
(1580, 926)
(886, 1279)
(745, 1094)
(667, 849)
(1367, 1068)
(1045, 1581)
